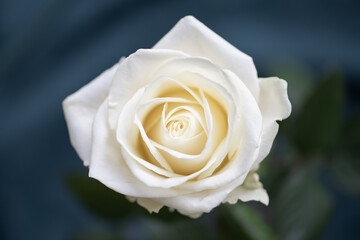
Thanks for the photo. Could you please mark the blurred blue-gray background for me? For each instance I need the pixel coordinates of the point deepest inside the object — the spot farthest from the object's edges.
(50, 48)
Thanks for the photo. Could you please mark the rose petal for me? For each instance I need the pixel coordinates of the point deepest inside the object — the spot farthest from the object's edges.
(274, 105)
(139, 167)
(147, 203)
(182, 67)
(151, 113)
(154, 129)
(186, 163)
(195, 203)
(142, 112)
(158, 133)
(107, 164)
(188, 68)
(192, 37)
(250, 190)
(245, 142)
(135, 72)
(129, 137)
(80, 108)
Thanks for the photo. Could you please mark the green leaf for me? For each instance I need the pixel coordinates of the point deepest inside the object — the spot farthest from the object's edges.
(350, 137)
(346, 170)
(240, 221)
(303, 206)
(264, 167)
(318, 125)
(101, 200)
(345, 164)
(275, 176)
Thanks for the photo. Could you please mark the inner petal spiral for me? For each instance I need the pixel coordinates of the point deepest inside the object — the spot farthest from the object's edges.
(183, 121)
(182, 126)
(177, 128)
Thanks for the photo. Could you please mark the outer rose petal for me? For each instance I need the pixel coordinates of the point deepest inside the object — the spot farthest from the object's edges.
(250, 190)
(274, 105)
(108, 166)
(135, 72)
(146, 174)
(196, 203)
(193, 37)
(147, 203)
(80, 108)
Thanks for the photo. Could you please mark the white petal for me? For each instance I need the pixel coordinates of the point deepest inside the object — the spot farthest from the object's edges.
(250, 190)
(108, 166)
(246, 195)
(274, 105)
(141, 168)
(192, 37)
(249, 117)
(192, 215)
(196, 203)
(129, 137)
(216, 119)
(80, 109)
(135, 72)
(149, 204)
(245, 144)
(200, 73)
(151, 113)
(152, 124)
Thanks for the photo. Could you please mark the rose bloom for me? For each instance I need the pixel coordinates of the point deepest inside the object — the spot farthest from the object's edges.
(183, 125)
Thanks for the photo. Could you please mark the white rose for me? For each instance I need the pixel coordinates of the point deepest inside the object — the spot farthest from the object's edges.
(183, 125)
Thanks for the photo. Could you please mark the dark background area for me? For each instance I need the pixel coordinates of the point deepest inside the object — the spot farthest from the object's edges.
(50, 48)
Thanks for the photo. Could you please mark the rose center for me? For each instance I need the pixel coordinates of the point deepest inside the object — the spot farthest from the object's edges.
(181, 122)
(177, 127)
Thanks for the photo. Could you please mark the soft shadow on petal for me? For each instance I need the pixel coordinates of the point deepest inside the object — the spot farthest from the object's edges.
(186, 163)
(80, 108)
(149, 117)
(274, 105)
(135, 72)
(129, 138)
(154, 114)
(148, 173)
(193, 37)
(196, 203)
(108, 166)
(245, 144)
